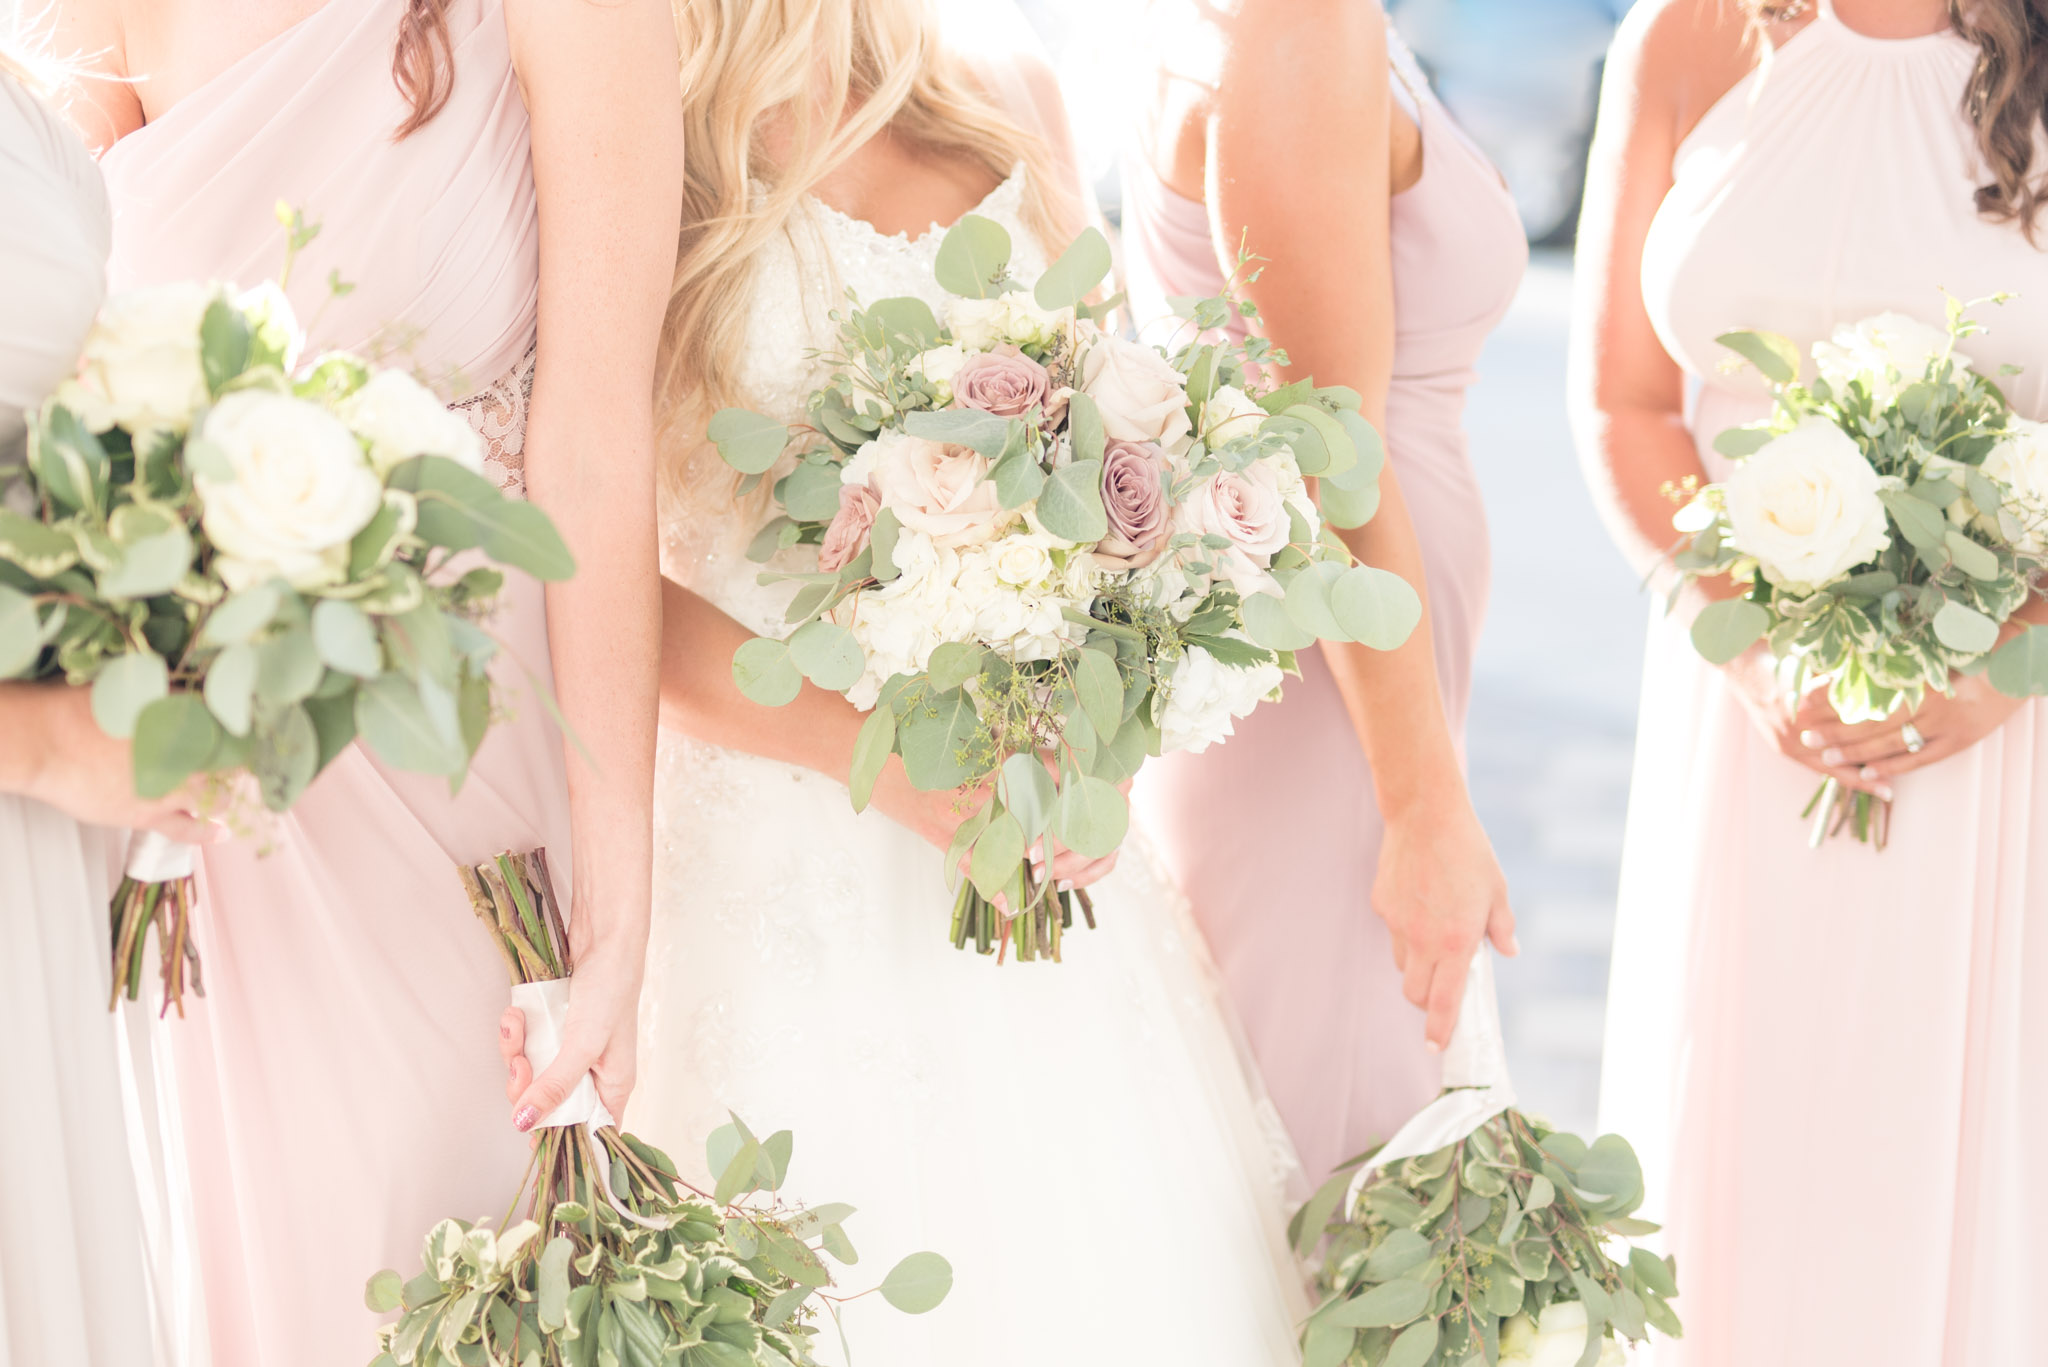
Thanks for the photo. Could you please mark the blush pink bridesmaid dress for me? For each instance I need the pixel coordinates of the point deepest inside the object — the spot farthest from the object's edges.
(340, 1080)
(1274, 835)
(1833, 1061)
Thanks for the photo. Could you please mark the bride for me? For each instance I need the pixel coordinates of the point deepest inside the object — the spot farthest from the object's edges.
(1078, 1139)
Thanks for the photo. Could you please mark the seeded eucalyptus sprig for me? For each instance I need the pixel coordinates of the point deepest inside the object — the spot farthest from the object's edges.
(613, 1259)
(1432, 1260)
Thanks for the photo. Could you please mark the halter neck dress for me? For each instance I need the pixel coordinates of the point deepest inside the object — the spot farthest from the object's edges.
(340, 1081)
(1275, 835)
(1832, 1061)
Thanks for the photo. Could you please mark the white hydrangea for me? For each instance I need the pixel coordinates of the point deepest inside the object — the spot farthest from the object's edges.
(1876, 347)
(1015, 318)
(1205, 698)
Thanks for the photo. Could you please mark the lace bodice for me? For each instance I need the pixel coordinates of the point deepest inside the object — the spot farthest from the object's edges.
(799, 282)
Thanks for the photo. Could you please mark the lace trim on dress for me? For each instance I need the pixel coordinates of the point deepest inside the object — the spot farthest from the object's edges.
(498, 413)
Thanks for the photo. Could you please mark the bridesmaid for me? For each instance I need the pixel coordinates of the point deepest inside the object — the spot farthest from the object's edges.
(487, 172)
(72, 1286)
(1832, 1058)
(1304, 129)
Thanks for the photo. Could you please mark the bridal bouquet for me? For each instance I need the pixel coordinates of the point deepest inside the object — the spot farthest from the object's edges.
(1044, 552)
(1884, 524)
(617, 1262)
(251, 564)
(1478, 1235)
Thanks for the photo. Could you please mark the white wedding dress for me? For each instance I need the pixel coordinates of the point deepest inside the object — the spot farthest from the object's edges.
(1080, 1139)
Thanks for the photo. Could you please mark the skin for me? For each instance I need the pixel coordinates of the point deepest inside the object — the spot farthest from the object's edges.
(1671, 61)
(53, 751)
(1238, 85)
(599, 87)
(896, 186)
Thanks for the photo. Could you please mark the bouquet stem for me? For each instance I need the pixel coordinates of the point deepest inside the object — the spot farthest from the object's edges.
(157, 890)
(1035, 932)
(1835, 808)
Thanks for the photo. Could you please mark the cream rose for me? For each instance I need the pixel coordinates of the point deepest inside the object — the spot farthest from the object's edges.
(2020, 463)
(937, 489)
(1016, 318)
(401, 418)
(1805, 506)
(140, 368)
(1230, 413)
(1557, 1340)
(298, 489)
(1022, 561)
(939, 365)
(1250, 512)
(1878, 346)
(1142, 397)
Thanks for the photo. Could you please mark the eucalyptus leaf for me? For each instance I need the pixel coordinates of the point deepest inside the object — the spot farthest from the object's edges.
(939, 740)
(1726, 628)
(871, 751)
(1777, 357)
(747, 441)
(1081, 267)
(1090, 817)
(1389, 1304)
(174, 738)
(394, 721)
(1084, 427)
(1099, 688)
(1268, 622)
(984, 432)
(1962, 628)
(1375, 607)
(1026, 790)
(997, 854)
(918, 1284)
(763, 671)
(2019, 668)
(826, 654)
(125, 686)
(151, 566)
(21, 633)
(974, 258)
(954, 663)
(230, 688)
(345, 640)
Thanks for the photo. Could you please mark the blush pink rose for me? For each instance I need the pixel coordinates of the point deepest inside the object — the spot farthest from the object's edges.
(937, 489)
(1247, 510)
(1004, 382)
(1134, 496)
(848, 534)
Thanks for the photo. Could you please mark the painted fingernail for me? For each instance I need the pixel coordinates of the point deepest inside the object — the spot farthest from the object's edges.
(1810, 739)
(1867, 772)
(1066, 885)
(504, 1032)
(525, 1118)
(1831, 757)
(1884, 790)
(1432, 1046)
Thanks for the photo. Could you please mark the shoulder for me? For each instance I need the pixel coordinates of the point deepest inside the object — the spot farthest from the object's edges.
(1295, 51)
(1679, 56)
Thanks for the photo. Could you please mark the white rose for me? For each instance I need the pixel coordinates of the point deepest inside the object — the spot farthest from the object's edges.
(1229, 414)
(2020, 463)
(1558, 1340)
(1204, 699)
(1876, 347)
(1016, 318)
(297, 491)
(270, 315)
(939, 365)
(401, 418)
(1022, 561)
(1806, 506)
(140, 368)
(1142, 397)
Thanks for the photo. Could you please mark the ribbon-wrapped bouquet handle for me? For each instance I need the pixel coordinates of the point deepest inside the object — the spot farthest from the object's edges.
(157, 889)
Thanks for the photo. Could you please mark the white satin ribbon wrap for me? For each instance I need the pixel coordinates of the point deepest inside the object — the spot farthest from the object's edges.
(546, 1008)
(1476, 1065)
(154, 858)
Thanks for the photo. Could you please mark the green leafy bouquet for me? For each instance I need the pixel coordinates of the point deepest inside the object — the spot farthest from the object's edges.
(252, 563)
(1885, 522)
(1036, 553)
(1478, 1236)
(617, 1262)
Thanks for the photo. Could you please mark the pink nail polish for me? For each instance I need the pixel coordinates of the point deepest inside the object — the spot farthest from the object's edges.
(504, 1032)
(525, 1118)
(1810, 739)
(1884, 790)
(1831, 757)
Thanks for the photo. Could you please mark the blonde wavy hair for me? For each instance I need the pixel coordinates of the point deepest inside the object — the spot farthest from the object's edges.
(824, 76)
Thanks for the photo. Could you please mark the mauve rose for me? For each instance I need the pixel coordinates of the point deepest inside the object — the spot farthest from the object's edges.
(1004, 382)
(1134, 496)
(1249, 511)
(848, 534)
(937, 489)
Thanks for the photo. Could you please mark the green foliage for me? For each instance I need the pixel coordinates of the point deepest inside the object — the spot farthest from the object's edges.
(1424, 1260)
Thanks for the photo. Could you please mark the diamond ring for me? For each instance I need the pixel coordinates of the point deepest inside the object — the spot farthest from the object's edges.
(1915, 742)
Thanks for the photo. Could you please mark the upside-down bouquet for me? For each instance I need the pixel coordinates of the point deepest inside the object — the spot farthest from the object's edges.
(1038, 553)
(1884, 525)
(250, 561)
(1480, 1237)
(613, 1260)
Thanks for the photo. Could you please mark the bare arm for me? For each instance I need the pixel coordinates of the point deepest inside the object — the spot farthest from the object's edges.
(600, 85)
(102, 104)
(1299, 167)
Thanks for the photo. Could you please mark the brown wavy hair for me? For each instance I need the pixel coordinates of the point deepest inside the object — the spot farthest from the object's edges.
(2006, 99)
(423, 64)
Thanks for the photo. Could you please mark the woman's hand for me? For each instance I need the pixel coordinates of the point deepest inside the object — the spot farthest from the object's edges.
(1873, 752)
(56, 753)
(1440, 890)
(1757, 687)
(599, 1038)
(937, 816)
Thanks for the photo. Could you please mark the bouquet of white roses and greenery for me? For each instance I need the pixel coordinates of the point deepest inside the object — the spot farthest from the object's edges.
(1044, 552)
(250, 563)
(615, 1261)
(1884, 525)
(1478, 1235)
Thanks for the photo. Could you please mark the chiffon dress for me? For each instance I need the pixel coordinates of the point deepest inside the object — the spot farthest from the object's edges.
(71, 1239)
(1832, 1061)
(340, 1080)
(1274, 835)
(1081, 1140)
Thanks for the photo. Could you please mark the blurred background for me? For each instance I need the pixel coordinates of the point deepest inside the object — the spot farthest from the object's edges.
(1554, 699)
